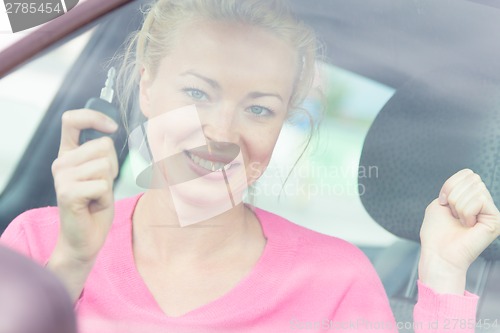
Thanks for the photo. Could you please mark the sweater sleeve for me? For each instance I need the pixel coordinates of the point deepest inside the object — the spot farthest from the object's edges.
(14, 236)
(36, 244)
(443, 313)
(33, 233)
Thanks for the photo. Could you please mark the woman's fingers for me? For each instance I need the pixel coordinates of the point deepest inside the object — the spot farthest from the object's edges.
(482, 228)
(469, 204)
(91, 150)
(101, 168)
(74, 121)
(84, 175)
(452, 188)
(89, 191)
(451, 183)
(462, 187)
(469, 198)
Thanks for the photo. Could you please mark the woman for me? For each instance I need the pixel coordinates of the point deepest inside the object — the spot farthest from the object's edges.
(238, 69)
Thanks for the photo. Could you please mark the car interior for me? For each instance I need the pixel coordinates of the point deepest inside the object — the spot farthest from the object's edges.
(441, 59)
(433, 126)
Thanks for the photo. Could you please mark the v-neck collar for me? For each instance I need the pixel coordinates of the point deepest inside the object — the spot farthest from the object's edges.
(262, 282)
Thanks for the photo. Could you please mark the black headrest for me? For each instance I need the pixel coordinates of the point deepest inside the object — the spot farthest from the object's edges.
(432, 127)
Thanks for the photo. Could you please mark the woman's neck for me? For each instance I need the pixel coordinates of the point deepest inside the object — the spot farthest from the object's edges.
(158, 235)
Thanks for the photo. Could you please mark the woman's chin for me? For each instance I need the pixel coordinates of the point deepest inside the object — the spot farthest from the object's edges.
(199, 200)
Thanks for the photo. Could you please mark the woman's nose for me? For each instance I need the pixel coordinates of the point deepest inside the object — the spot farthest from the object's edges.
(220, 126)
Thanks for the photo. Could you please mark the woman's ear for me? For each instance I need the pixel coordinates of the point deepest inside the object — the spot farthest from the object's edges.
(144, 87)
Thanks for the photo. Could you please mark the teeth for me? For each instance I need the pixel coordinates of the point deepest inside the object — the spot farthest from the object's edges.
(205, 164)
(218, 166)
(209, 165)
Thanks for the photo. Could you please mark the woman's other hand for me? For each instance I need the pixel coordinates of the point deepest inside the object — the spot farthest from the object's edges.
(83, 179)
(457, 227)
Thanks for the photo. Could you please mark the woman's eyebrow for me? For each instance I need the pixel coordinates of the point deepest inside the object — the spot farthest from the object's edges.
(211, 82)
(258, 94)
(214, 84)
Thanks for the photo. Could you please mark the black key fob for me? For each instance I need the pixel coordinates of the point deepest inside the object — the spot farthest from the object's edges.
(105, 107)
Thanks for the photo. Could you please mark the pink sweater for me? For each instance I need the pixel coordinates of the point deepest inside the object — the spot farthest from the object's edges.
(303, 282)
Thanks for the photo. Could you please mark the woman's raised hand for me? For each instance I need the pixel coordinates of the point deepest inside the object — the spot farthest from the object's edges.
(83, 178)
(457, 227)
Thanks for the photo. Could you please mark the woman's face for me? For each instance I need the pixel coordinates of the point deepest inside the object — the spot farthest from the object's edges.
(240, 79)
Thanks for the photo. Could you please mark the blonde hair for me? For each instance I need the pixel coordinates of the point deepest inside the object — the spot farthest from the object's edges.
(148, 46)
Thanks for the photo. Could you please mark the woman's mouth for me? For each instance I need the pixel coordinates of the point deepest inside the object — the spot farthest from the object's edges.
(209, 165)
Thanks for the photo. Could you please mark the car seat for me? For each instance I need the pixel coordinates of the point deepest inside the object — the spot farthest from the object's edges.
(434, 125)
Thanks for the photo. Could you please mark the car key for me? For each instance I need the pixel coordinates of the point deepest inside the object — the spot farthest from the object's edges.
(102, 104)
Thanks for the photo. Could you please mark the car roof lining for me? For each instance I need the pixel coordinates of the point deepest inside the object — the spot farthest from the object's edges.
(391, 41)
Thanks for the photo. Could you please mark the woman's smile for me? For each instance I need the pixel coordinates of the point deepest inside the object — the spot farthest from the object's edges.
(212, 165)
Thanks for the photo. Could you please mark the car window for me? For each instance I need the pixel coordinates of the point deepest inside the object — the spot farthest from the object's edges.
(25, 94)
(322, 191)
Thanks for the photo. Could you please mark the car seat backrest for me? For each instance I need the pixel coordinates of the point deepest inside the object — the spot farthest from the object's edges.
(432, 127)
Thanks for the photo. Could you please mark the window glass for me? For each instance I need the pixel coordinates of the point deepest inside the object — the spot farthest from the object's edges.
(25, 94)
(322, 190)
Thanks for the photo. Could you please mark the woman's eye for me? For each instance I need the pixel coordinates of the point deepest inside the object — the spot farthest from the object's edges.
(196, 94)
(260, 111)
